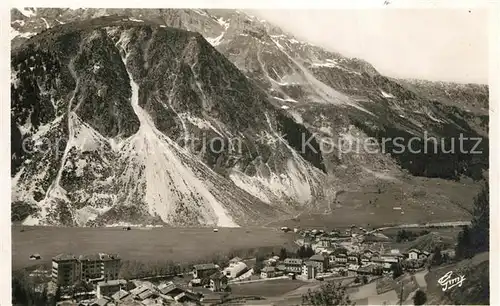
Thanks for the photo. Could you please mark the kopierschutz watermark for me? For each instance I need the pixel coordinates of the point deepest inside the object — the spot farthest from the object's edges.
(397, 145)
(343, 144)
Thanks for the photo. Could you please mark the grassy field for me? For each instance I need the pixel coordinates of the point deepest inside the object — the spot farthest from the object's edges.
(158, 244)
(271, 288)
(372, 203)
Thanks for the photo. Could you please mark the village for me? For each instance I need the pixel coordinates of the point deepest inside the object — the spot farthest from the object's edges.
(357, 255)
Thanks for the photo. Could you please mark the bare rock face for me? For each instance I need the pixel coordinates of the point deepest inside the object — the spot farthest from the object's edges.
(206, 117)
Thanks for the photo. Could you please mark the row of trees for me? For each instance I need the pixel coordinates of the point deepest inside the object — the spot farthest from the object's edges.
(404, 235)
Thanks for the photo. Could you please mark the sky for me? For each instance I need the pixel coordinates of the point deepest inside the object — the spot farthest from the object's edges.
(432, 44)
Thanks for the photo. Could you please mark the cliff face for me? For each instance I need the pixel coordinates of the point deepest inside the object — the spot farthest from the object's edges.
(198, 117)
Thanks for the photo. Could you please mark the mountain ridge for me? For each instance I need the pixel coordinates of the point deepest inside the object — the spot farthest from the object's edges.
(238, 79)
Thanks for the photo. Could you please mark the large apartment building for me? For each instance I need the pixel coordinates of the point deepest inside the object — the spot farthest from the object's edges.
(67, 269)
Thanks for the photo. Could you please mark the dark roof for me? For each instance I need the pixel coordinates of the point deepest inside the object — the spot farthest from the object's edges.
(207, 266)
(112, 282)
(217, 275)
(64, 256)
(120, 295)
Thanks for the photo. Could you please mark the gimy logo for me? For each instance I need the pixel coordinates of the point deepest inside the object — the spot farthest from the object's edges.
(447, 282)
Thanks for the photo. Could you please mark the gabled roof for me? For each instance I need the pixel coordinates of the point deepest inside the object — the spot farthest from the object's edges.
(235, 259)
(120, 295)
(146, 294)
(414, 250)
(207, 266)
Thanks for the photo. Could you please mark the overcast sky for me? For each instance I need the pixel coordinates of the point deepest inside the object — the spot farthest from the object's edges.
(437, 44)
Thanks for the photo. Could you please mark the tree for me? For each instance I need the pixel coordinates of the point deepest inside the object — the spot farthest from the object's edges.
(397, 270)
(437, 258)
(481, 220)
(328, 294)
(259, 264)
(419, 298)
(283, 254)
(475, 239)
(365, 279)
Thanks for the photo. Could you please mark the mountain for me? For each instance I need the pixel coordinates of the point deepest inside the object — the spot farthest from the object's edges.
(214, 117)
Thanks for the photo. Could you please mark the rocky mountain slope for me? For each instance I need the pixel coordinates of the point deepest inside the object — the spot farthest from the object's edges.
(133, 116)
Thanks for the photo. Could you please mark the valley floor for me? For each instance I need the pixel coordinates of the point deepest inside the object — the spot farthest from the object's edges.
(144, 245)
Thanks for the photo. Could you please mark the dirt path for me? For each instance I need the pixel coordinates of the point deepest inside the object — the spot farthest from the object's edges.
(420, 277)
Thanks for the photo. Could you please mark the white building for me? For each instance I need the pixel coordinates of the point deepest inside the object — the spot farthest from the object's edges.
(235, 269)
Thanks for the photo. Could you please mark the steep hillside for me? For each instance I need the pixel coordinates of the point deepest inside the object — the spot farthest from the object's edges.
(148, 121)
(140, 121)
(475, 289)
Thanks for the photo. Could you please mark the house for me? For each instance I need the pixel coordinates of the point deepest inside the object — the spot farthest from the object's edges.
(309, 270)
(324, 243)
(352, 269)
(204, 270)
(169, 289)
(218, 282)
(413, 254)
(293, 265)
(235, 269)
(138, 290)
(35, 256)
(101, 302)
(424, 255)
(353, 258)
(120, 295)
(108, 288)
(320, 261)
(268, 272)
(187, 297)
(341, 258)
(148, 294)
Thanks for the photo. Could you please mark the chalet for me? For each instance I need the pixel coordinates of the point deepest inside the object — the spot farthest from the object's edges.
(204, 270)
(169, 289)
(268, 272)
(293, 265)
(187, 297)
(353, 258)
(309, 270)
(413, 254)
(341, 258)
(218, 282)
(324, 243)
(424, 255)
(320, 261)
(108, 288)
(120, 295)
